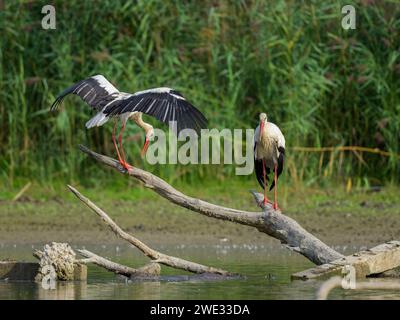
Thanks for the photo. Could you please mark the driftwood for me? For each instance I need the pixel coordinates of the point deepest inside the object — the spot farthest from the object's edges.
(268, 221)
(14, 270)
(336, 282)
(62, 258)
(365, 263)
(27, 271)
(154, 255)
(149, 270)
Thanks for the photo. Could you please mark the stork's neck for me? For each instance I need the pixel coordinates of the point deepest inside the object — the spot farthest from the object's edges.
(137, 117)
(263, 130)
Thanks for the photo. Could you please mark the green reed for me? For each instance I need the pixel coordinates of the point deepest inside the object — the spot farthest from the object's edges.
(323, 85)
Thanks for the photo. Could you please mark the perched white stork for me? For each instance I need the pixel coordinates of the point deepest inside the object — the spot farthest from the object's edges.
(164, 104)
(269, 153)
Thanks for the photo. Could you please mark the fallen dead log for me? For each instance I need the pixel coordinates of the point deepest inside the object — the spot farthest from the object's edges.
(14, 270)
(154, 255)
(27, 271)
(268, 221)
(365, 263)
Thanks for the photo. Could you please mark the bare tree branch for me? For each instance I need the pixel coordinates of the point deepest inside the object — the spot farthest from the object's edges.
(268, 221)
(150, 270)
(156, 256)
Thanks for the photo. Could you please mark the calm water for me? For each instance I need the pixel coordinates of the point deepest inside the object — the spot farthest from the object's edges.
(267, 270)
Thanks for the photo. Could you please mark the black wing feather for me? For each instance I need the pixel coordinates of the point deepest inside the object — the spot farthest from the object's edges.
(92, 91)
(165, 107)
(281, 159)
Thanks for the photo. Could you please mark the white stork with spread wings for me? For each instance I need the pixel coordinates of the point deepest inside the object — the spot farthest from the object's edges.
(269, 154)
(164, 104)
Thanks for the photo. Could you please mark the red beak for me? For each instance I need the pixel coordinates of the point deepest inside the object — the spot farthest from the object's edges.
(261, 129)
(145, 147)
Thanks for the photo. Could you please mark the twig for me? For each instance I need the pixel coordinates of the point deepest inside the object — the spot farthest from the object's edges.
(347, 148)
(22, 191)
(156, 256)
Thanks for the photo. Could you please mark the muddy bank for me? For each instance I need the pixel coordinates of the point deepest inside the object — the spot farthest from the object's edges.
(337, 220)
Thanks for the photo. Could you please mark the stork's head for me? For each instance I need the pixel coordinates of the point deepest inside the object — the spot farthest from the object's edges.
(263, 121)
(149, 136)
(263, 117)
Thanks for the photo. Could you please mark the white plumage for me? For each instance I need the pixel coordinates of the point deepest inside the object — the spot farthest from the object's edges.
(105, 84)
(269, 153)
(273, 139)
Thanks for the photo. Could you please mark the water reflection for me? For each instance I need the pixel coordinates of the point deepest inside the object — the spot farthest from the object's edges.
(75, 290)
(267, 271)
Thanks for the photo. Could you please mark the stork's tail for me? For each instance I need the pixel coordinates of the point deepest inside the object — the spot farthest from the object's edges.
(98, 120)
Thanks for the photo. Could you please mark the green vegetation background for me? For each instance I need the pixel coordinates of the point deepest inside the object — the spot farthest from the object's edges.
(323, 85)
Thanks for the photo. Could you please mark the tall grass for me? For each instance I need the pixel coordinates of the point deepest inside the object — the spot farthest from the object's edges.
(323, 85)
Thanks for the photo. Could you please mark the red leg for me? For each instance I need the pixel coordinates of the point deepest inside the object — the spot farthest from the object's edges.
(115, 141)
(124, 163)
(265, 183)
(276, 187)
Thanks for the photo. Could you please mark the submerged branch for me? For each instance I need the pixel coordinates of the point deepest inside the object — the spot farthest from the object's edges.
(154, 255)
